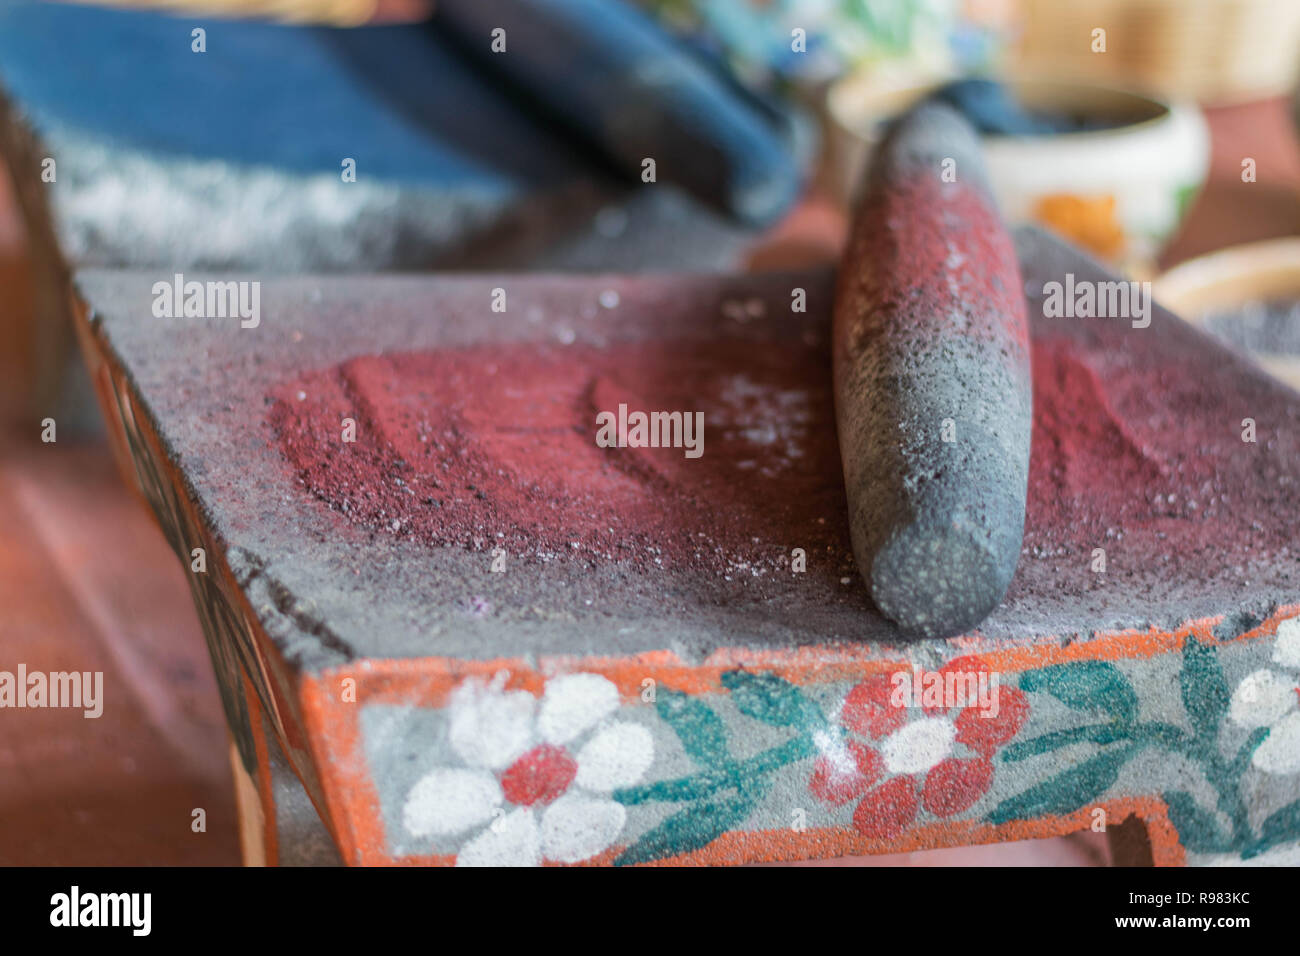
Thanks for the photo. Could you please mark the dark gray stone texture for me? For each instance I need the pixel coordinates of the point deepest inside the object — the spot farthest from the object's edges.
(933, 389)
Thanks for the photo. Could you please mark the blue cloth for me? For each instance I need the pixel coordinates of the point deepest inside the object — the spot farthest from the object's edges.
(588, 86)
(396, 99)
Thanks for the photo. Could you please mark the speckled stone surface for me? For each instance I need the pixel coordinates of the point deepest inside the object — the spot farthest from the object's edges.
(1223, 538)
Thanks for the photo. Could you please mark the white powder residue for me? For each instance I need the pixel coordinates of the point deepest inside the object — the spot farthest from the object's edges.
(772, 418)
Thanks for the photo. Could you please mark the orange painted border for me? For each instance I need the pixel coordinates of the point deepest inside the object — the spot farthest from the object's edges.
(353, 802)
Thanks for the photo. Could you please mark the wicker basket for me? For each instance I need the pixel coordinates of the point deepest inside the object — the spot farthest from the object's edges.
(1213, 51)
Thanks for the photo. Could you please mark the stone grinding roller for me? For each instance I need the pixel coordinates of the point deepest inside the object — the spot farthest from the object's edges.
(932, 381)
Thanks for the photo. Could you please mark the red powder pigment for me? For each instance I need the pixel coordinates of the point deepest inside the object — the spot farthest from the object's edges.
(1085, 464)
(1149, 465)
(495, 446)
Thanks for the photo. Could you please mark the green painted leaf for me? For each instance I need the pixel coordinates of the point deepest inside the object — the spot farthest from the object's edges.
(1242, 760)
(747, 773)
(692, 787)
(1086, 685)
(1093, 733)
(1282, 826)
(1197, 828)
(1066, 791)
(700, 730)
(771, 699)
(1205, 692)
(696, 826)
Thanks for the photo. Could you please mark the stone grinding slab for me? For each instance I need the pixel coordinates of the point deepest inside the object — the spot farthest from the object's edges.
(631, 570)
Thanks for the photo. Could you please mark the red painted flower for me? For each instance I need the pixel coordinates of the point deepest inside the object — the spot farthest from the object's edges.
(941, 760)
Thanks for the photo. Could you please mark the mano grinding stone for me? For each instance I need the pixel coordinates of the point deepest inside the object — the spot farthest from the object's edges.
(932, 381)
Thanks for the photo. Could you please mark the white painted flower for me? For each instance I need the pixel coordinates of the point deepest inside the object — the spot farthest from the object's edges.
(1271, 698)
(534, 778)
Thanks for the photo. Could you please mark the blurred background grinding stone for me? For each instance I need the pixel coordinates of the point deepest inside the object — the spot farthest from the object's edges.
(232, 158)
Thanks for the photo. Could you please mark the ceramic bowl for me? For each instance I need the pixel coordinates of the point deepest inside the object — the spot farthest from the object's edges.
(1118, 192)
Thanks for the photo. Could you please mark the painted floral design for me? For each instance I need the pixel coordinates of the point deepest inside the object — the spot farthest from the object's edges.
(897, 762)
(556, 778)
(534, 777)
(1115, 724)
(941, 760)
(1271, 698)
